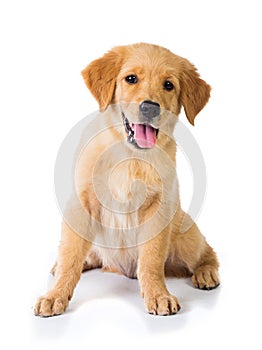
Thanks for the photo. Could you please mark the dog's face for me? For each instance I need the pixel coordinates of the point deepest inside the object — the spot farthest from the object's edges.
(150, 84)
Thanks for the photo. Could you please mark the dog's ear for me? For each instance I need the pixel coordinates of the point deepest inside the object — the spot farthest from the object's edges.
(100, 75)
(195, 92)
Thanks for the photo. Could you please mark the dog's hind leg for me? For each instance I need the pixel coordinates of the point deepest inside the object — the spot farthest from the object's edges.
(92, 261)
(205, 274)
(190, 249)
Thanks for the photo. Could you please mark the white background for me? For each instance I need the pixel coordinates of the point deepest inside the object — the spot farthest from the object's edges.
(44, 46)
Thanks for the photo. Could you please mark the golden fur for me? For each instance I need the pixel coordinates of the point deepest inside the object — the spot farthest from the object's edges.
(150, 241)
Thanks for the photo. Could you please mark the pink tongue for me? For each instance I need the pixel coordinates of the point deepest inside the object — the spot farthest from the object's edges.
(145, 135)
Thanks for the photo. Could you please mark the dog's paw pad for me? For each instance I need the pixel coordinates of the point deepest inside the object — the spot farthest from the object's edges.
(206, 278)
(162, 305)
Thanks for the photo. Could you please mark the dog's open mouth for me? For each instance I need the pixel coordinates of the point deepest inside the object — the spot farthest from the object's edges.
(140, 135)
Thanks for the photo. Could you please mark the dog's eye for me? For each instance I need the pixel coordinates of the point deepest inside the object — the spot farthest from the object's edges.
(168, 85)
(131, 79)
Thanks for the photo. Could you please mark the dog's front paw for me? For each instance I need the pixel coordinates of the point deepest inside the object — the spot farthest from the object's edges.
(205, 277)
(51, 304)
(162, 305)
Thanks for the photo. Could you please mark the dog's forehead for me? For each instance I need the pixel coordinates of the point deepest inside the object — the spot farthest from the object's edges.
(159, 61)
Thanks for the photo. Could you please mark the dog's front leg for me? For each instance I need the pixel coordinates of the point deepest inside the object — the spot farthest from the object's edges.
(151, 262)
(72, 253)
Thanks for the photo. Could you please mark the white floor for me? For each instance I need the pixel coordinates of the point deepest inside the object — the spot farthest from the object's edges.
(107, 310)
(108, 306)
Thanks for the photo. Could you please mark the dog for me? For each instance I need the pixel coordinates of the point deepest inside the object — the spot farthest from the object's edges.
(126, 216)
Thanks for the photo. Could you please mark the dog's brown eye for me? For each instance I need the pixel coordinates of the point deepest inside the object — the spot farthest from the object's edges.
(168, 85)
(131, 79)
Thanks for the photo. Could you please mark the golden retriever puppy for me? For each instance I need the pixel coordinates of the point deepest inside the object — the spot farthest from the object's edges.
(126, 215)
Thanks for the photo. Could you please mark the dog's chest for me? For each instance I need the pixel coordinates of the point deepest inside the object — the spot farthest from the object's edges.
(126, 187)
(119, 217)
(136, 204)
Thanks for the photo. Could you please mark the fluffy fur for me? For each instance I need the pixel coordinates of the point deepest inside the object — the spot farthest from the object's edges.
(146, 239)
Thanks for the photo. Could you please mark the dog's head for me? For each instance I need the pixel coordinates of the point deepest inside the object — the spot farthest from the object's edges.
(150, 84)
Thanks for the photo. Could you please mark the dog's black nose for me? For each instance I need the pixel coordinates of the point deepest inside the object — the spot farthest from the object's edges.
(149, 109)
